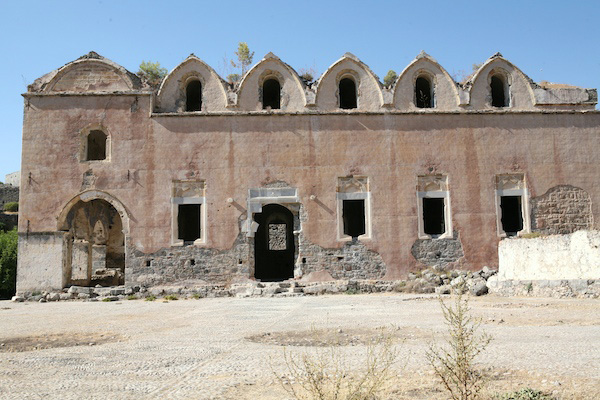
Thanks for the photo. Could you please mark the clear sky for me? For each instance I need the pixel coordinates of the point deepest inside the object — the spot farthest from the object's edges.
(553, 40)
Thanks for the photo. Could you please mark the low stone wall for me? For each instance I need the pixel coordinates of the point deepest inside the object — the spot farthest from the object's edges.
(9, 220)
(556, 257)
(8, 193)
(557, 265)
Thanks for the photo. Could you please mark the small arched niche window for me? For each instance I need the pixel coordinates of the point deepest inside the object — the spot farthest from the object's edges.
(347, 90)
(271, 94)
(193, 96)
(423, 92)
(96, 145)
(499, 89)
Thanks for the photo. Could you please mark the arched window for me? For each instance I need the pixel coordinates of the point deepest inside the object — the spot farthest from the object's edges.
(96, 145)
(423, 92)
(347, 90)
(271, 94)
(499, 91)
(193, 96)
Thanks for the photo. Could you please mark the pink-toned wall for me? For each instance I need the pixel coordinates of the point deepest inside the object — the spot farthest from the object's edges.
(238, 151)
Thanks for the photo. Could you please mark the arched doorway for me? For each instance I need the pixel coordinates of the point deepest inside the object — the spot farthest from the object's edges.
(96, 245)
(274, 244)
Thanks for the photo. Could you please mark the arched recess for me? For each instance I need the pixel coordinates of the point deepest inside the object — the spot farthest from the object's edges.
(250, 94)
(369, 93)
(444, 89)
(97, 232)
(172, 97)
(95, 143)
(519, 86)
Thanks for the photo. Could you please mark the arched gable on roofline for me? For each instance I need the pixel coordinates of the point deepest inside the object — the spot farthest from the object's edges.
(171, 93)
(446, 91)
(369, 89)
(293, 97)
(520, 86)
(97, 74)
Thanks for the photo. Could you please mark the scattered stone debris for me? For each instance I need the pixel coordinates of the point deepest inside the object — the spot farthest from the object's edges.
(426, 281)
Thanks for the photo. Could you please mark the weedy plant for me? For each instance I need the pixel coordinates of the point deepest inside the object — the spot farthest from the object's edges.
(523, 394)
(454, 363)
(171, 297)
(150, 298)
(325, 374)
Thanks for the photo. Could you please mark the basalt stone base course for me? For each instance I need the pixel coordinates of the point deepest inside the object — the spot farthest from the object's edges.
(427, 281)
(353, 260)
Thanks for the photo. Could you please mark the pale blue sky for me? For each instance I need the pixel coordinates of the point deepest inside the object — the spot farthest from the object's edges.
(551, 40)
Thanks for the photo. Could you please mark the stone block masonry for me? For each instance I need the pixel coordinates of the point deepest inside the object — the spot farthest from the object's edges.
(562, 209)
(8, 193)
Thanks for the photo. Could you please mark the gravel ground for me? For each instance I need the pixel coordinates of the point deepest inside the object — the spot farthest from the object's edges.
(214, 348)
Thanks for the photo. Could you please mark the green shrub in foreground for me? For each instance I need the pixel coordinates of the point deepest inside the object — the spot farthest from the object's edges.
(11, 206)
(8, 263)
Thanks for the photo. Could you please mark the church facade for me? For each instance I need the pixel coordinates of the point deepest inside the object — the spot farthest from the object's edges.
(275, 178)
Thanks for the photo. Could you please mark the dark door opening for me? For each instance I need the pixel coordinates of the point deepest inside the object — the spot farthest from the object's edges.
(274, 244)
(188, 222)
(433, 216)
(353, 215)
(512, 216)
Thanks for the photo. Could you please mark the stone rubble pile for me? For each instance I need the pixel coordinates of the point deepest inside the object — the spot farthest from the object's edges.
(426, 281)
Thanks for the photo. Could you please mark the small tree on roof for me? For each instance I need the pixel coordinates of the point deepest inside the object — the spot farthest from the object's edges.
(152, 72)
(390, 78)
(244, 57)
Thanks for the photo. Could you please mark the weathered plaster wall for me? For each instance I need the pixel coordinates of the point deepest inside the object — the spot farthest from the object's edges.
(233, 153)
(556, 257)
(40, 261)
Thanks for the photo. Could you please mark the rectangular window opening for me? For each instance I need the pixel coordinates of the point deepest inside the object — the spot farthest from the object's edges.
(188, 222)
(353, 215)
(433, 216)
(512, 215)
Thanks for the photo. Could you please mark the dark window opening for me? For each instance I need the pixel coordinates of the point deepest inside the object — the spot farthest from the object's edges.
(353, 216)
(271, 94)
(188, 222)
(148, 263)
(512, 214)
(193, 96)
(423, 93)
(434, 222)
(96, 146)
(347, 91)
(192, 262)
(498, 94)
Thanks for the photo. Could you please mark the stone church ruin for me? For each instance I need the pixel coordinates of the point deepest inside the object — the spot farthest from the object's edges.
(274, 178)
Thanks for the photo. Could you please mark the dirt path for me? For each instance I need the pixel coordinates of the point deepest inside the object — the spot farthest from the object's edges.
(225, 348)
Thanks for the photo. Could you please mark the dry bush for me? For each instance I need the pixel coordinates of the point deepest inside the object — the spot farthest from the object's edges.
(325, 374)
(454, 363)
